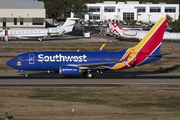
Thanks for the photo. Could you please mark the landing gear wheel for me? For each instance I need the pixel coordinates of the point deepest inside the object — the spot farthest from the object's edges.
(89, 75)
(26, 75)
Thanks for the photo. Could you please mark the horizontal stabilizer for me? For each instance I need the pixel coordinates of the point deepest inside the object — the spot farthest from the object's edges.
(158, 55)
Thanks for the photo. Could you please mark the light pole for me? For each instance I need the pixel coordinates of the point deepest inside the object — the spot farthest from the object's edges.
(27, 20)
(11, 21)
(149, 17)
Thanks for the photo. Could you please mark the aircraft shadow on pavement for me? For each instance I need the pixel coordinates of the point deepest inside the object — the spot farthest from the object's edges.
(167, 70)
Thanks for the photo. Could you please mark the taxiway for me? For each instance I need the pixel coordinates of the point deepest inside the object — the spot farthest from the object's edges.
(105, 79)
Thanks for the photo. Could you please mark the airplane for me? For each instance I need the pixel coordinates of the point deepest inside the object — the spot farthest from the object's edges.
(39, 33)
(76, 62)
(139, 35)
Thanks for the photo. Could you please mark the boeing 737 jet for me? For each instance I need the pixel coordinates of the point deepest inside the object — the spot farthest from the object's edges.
(138, 34)
(76, 62)
(39, 33)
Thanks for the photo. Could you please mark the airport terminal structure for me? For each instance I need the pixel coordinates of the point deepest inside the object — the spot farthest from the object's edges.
(131, 10)
(22, 14)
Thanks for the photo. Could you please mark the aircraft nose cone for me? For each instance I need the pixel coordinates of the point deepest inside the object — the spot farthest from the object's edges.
(10, 63)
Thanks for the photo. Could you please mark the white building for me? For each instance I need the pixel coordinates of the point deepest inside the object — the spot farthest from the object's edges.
(21, 14)
(132, 10)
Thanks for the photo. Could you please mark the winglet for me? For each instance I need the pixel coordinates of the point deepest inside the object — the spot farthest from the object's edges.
(102, 47)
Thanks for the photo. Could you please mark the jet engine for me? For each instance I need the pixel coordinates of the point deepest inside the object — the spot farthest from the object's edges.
(69, 70)
(133, 33)
(55, 31)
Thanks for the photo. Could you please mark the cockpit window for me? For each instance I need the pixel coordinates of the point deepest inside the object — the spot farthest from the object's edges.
(18, 58)
(0, 31)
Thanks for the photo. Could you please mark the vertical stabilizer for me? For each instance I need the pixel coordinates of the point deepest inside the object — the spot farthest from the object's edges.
(150, 45)
(115, 28)
(69, 24)
(153, 39)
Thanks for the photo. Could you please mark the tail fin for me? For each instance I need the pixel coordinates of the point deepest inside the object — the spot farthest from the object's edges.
(115, 28)
(110, 26)
(152, 41)
(150, 45)
(69, 24)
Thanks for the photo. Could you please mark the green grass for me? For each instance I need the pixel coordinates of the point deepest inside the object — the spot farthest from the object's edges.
(91, 103)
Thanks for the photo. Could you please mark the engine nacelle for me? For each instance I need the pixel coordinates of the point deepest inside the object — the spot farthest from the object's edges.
(53, 30)
(69, 70)
(132, 33)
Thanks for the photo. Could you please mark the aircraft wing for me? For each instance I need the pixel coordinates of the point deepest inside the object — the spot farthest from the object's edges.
(102, 65)
(33, 36)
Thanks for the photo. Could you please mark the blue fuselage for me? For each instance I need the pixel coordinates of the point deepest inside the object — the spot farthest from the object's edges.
(53, 60)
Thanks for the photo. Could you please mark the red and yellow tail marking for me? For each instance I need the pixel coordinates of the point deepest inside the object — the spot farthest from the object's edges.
(147, 46)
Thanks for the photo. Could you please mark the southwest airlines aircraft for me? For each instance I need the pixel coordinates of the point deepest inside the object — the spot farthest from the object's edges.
(74, 63)
(39, 33)
(139, 34)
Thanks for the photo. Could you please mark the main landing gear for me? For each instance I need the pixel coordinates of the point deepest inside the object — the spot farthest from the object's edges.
(40, 39)
(87, 74)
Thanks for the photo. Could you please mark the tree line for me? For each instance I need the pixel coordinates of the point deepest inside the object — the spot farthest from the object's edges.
(55, 8)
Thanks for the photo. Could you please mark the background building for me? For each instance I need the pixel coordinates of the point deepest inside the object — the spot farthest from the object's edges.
(132, 10)
(21, 14)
